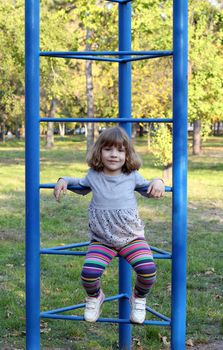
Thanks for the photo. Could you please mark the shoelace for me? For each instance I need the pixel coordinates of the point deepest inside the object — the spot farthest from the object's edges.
(140, 304)
(91, 304)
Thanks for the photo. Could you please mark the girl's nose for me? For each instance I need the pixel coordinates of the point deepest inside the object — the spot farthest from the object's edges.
(114, 152)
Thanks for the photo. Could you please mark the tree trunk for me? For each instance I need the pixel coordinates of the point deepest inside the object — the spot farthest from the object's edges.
(22, 131)
(134, 132)
(2, 131)
(141, 130)
(216, 129)
(220, 128)
(50, 125)
(149, 137)
(197, 137)
(62, 129)
(17, 129)
(167, 172)
(89, 92)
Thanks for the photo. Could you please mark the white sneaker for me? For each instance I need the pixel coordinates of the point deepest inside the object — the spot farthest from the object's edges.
(138, 309)
(93, 307)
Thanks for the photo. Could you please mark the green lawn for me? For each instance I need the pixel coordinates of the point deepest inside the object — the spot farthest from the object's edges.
(66, 222)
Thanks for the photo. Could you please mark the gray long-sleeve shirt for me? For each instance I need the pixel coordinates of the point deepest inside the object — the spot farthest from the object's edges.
(111, 192)
(113, 214)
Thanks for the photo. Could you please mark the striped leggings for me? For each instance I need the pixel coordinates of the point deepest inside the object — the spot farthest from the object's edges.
(138, 255)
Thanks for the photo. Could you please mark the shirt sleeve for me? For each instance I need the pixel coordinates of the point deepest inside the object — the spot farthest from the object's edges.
(83, 182)
(140, 184)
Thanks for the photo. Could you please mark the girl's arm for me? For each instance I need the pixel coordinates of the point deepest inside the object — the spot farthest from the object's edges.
(155, 187)
(63, 183)
(60, 187)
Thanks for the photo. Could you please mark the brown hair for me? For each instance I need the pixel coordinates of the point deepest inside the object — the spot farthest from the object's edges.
(115, 136)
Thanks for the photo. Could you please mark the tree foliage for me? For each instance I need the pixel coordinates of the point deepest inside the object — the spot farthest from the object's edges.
(205, 63)
(162, 145)
(11, 61)
(63, 28)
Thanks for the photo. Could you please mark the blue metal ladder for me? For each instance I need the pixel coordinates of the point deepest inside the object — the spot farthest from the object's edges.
(123, 57)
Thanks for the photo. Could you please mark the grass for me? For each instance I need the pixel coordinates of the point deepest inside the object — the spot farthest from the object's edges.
(66, 223)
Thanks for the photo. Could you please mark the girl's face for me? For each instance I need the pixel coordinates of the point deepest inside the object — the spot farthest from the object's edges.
(113, 159)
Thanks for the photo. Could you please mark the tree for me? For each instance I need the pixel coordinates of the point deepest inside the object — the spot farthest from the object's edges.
(205, 69)
(94, 16)
(11, 64)
(50, 126)
(89, 92)
(56, 84)
(152, 79)
(88, 17)
(162, 148)
(64, 25)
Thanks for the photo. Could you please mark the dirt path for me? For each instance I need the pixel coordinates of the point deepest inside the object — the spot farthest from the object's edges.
(211, 346)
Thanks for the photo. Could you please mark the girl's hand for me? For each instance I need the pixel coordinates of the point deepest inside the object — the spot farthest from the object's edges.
(61, 186)
(156, 189)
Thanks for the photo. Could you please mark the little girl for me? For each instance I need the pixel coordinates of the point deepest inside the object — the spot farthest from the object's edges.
(114, 223)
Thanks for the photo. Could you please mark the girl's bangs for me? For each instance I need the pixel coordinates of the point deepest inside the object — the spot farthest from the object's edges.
(114, 140)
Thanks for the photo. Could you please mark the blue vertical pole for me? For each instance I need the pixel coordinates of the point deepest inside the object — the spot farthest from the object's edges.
(180, 71)
(125, 111)
(32, 175)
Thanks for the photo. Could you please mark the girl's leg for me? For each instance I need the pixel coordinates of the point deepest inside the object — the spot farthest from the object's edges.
(97, 258)
(139, 255)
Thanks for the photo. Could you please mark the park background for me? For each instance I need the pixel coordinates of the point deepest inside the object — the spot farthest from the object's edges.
(76, 88)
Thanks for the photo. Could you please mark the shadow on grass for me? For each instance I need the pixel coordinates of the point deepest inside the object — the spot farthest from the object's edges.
(205, 165)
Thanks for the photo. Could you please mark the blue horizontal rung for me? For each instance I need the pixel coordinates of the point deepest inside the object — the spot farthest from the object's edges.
(119, 1)
(85, 244)
(89, 58)
(73, 245)
(161, 251)
(144, 189)
(51, 251)
(52, 185)
(64, 250)
(106, 59)
(54, 313)
(105, 53)
(108, 320)
(63, 309)
(158, 314)
(83, 188)
(162, 256)
(79, 306)
(107, 120)
(61, 252)
(140, 58)
(157, 323)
